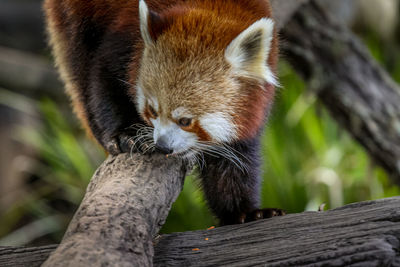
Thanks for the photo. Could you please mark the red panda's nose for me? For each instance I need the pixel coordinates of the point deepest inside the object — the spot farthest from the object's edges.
(162, 147)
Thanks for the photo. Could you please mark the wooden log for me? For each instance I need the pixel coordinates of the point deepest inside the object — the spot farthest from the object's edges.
(24, 256)
(359, 234)
(338, 68)
(125, 205)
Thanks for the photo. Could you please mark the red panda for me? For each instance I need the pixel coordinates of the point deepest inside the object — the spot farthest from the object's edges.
(189, 78)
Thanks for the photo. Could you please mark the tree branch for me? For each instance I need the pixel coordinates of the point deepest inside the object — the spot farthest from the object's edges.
(125, 205)
(360, 234)
(338, 68)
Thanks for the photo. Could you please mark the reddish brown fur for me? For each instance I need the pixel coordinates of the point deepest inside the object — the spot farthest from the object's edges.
(98, 47)
(185, 20)
(198, 130)
(252, 116)
(147, 115)
(122, 16)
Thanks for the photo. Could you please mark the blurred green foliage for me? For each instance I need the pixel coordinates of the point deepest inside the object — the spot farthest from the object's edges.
(58, 179)
(309, 160)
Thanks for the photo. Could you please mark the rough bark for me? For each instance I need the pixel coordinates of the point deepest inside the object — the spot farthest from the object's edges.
(126, 203)
(21, 256)
(360, 234)
(354, 88)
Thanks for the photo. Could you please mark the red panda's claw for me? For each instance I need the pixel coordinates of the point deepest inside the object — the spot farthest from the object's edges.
(259, 214)
(126, 143)
(267, 213)
(112, 147)
(122, 143)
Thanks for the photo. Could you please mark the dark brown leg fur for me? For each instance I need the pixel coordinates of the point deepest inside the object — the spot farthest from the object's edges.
(233, 194)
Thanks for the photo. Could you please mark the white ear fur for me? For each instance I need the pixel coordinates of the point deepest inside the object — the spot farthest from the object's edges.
(144, 22)
(248, 52)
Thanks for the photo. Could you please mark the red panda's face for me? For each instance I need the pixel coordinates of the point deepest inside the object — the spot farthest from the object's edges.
(180, 125)
(195, 94)
(188, 103)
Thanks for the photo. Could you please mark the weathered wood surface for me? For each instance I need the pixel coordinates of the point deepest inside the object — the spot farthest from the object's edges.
(360, 234)
(339, 69)
(125, 205)
(24, 256)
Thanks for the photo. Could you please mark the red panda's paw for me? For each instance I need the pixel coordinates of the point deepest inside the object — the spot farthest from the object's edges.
(124, 143)
(259, 214)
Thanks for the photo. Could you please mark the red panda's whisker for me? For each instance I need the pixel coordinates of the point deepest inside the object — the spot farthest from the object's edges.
(143, 140)
(231, 156)
(199, 157)
(125, 82)
(202, 160)
(192, 158)
(131, 152)
(150, 146)
(145, 144)
(224, 152)
(228, 157)
(144, 131)
(227, 148)
(236, 152)
(137, 126)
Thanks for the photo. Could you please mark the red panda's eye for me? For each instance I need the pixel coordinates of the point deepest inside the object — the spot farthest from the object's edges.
(185, 122)
(153, 112)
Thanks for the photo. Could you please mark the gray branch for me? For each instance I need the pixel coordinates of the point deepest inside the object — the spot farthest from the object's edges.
(125, 205)
(360, 234)
(338, 68)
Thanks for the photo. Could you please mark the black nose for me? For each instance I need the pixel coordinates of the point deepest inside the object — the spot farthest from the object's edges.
(162, 147)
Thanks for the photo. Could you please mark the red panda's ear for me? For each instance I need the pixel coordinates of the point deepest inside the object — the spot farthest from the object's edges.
(249, 51)
(144, 15)
(151, 24)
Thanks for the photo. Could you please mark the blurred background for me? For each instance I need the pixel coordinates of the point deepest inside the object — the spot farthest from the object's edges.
(46, 160)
